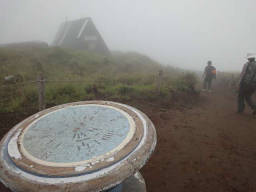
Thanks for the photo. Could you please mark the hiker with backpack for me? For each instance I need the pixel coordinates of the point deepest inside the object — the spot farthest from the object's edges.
(209, 75)
(247, 85)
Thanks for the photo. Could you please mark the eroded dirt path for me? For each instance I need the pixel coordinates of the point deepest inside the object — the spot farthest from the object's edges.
(204, 148)
(208, 148)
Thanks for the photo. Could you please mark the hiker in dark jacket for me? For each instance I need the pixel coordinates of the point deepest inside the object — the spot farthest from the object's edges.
(209, 75)
(247, 85)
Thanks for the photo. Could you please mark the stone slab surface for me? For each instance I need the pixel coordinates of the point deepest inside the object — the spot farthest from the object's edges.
(75, 134)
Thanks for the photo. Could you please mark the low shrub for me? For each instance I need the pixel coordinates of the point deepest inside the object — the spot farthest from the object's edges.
(122, 76)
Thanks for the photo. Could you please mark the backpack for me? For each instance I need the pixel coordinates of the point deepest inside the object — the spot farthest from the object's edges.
(250, 74)
(211, 71)
(214, 72)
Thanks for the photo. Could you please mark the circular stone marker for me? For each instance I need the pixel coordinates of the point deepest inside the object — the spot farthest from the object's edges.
(77, 135)
(85, 146)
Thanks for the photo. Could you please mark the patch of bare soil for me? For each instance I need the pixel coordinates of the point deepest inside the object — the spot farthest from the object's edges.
(207, 148)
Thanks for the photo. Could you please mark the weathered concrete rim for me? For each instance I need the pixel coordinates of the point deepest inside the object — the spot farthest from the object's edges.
(41, 170)
(93, 182)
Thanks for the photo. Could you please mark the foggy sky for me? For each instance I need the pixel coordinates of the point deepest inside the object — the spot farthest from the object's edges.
(184, 33)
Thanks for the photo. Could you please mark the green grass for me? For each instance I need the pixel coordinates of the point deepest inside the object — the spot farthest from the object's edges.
(121, 76)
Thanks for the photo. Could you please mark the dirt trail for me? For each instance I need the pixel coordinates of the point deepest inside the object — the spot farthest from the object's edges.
(204, 148)
(208, 148)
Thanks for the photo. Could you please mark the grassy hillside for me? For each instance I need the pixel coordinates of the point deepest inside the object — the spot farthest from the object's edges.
(76, 75)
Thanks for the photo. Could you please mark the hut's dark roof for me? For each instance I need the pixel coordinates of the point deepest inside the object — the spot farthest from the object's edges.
(70, 30)
(80, 34)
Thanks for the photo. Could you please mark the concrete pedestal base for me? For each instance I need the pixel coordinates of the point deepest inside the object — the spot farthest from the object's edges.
(134, 184)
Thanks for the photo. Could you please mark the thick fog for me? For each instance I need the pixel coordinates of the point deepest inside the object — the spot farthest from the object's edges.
(184, 33)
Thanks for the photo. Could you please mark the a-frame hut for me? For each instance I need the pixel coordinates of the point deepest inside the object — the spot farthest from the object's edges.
(80, 34)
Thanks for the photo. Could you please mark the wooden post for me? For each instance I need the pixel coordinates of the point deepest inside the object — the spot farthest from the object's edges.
(41, 91)
(159, 81)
